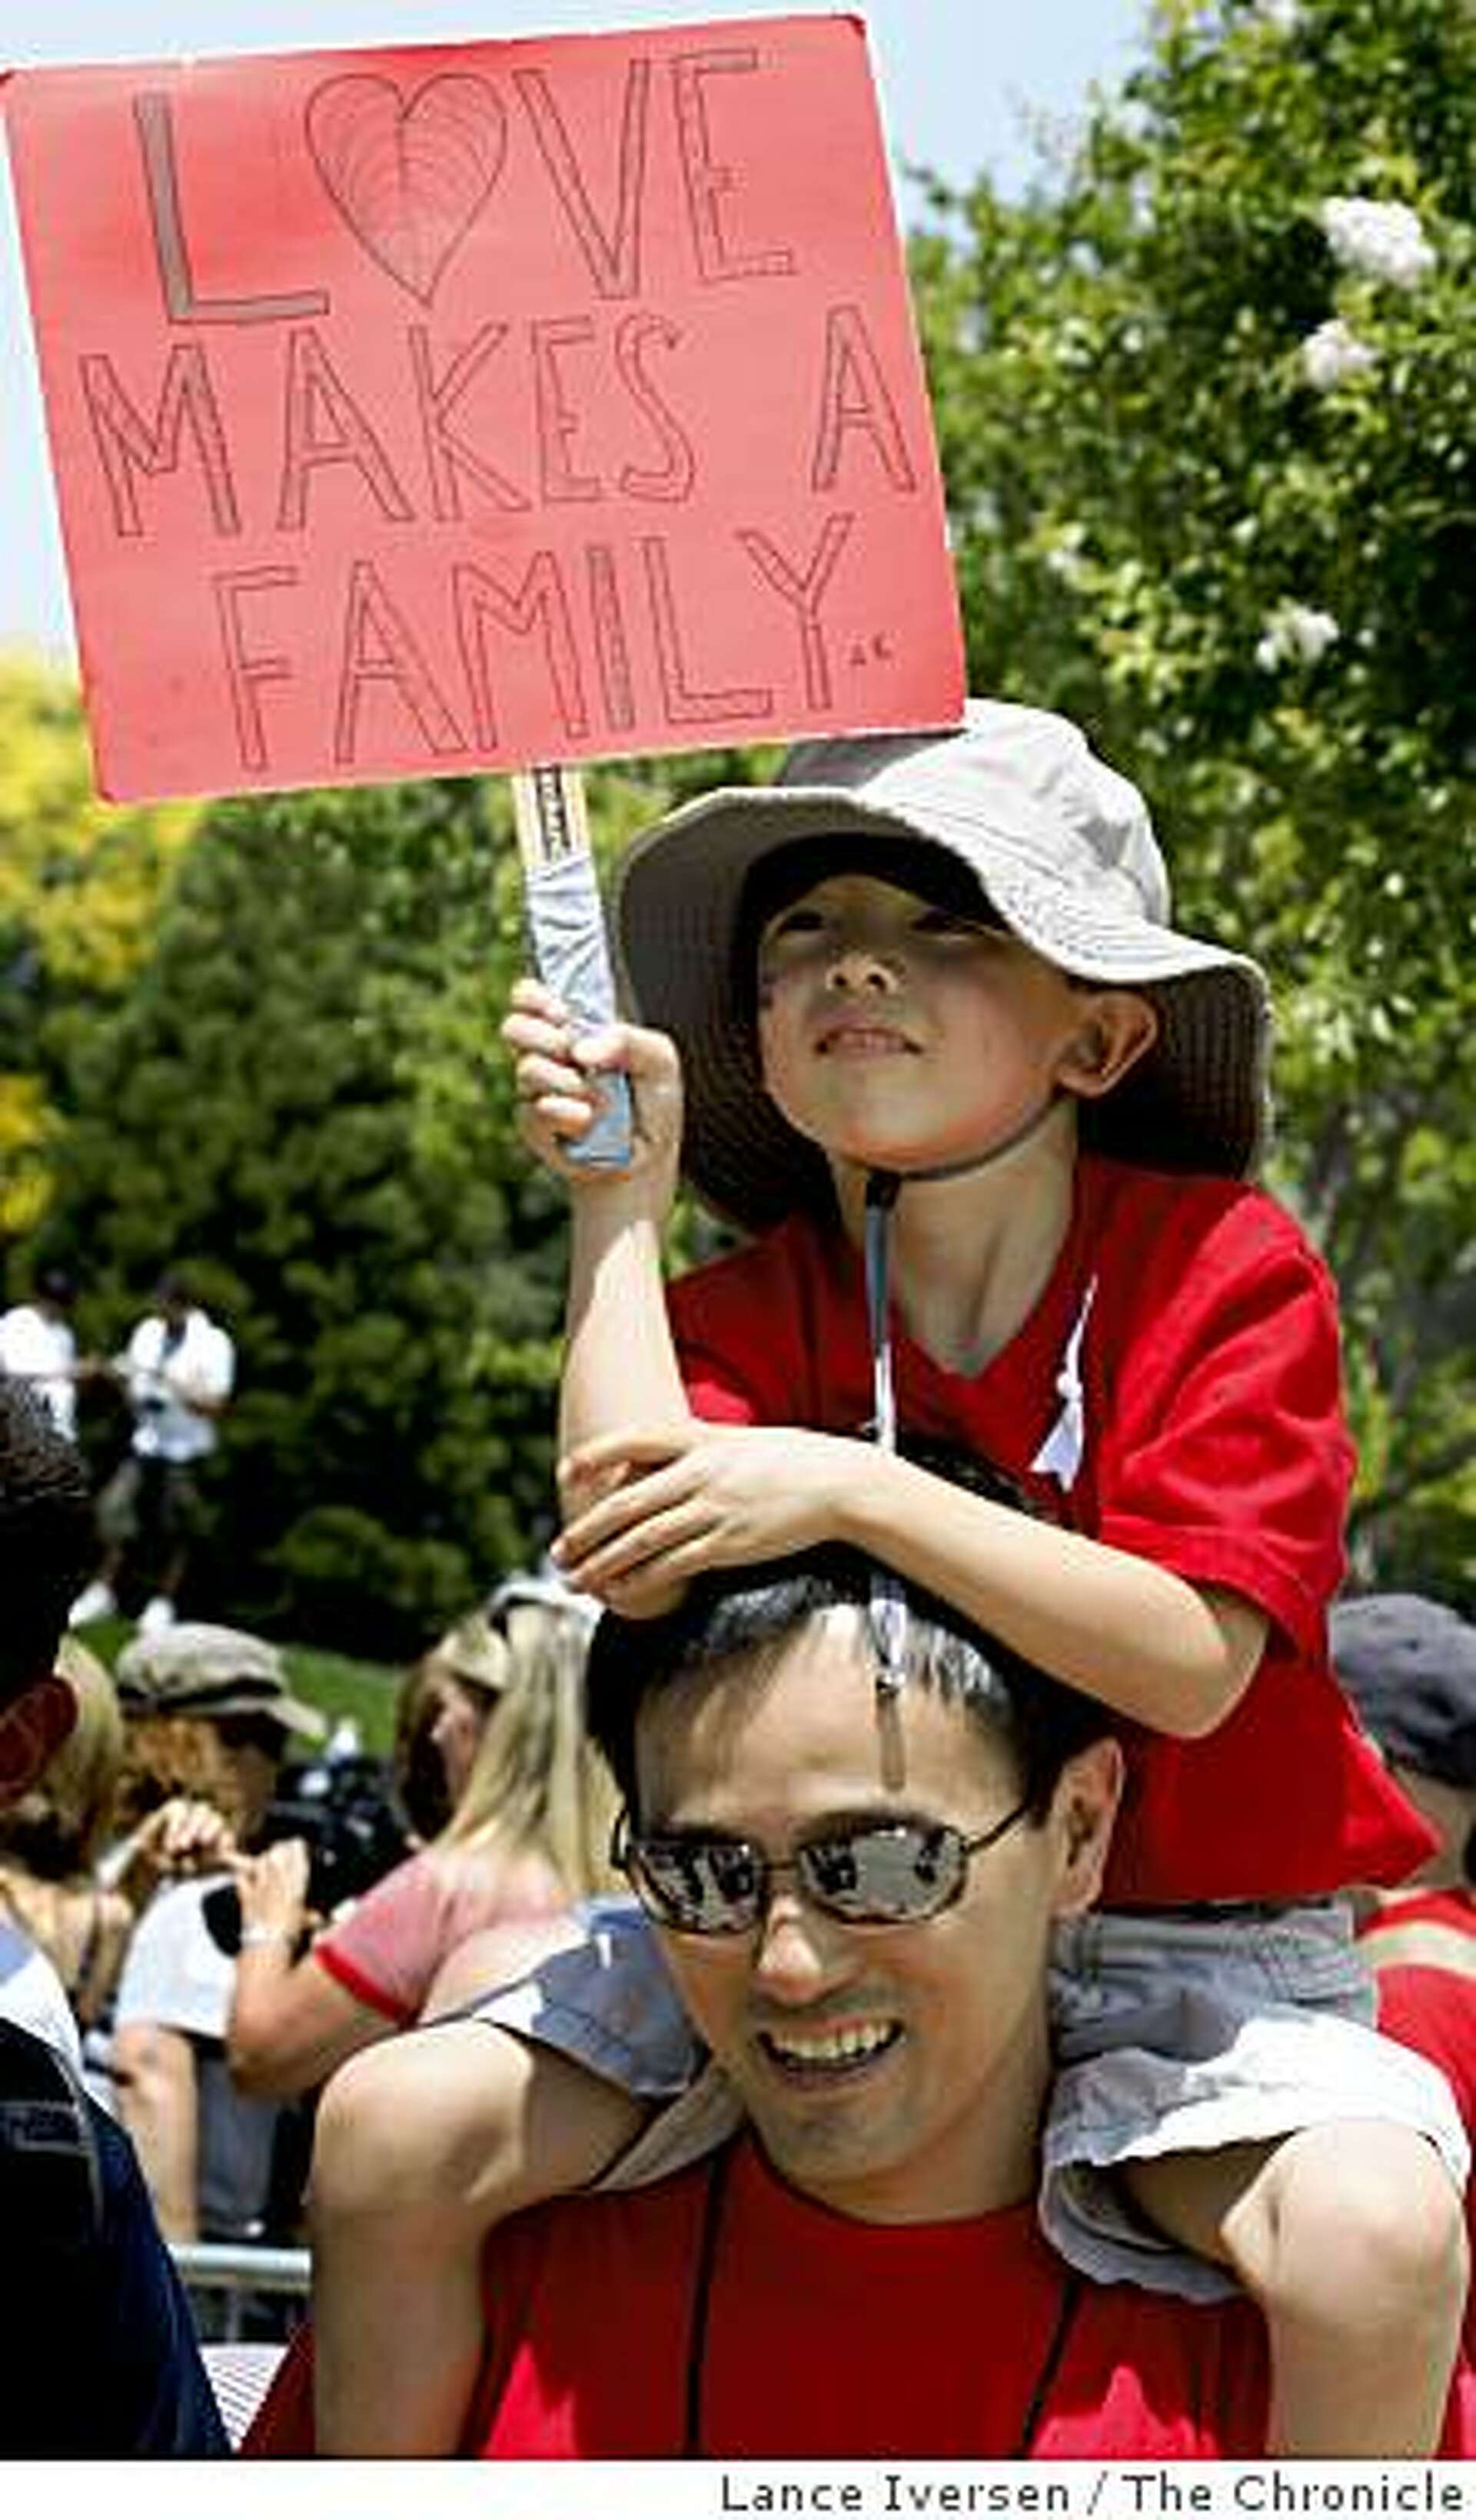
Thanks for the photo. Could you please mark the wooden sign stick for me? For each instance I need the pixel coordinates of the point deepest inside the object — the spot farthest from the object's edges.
(566, 924)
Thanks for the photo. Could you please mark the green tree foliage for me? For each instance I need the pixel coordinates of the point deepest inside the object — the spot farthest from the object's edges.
(80, 886)
(1241, 548)
(304, 1098)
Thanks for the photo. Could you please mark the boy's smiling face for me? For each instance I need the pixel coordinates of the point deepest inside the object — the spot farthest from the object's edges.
(899, 1035)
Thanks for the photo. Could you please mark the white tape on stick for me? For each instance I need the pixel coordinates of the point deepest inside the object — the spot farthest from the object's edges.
(567, 927)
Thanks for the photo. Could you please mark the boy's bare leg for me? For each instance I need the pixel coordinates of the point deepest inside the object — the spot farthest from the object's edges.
(1350, 2239)
(424, 2144)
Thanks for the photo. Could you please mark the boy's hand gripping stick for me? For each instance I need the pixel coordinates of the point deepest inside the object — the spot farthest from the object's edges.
(566, 925)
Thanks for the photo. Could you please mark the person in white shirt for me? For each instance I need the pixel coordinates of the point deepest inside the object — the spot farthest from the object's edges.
(178, 1372)
(38, 1346)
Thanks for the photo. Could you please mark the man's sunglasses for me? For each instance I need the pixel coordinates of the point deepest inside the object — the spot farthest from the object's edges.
(874, 1872)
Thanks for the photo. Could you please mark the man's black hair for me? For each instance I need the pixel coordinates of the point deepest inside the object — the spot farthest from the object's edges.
(746, 1614)
(46, 1536)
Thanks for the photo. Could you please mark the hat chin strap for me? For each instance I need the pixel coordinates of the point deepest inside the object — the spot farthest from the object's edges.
(886, 1607)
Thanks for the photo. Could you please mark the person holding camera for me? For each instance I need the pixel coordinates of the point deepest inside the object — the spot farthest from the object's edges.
(526, 1838)
(209, 1715)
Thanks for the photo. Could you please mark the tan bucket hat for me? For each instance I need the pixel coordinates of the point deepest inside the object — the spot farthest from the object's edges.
(1061, 848)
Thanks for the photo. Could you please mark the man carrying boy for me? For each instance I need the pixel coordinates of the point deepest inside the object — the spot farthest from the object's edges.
(856, 1895)
(985, 1113)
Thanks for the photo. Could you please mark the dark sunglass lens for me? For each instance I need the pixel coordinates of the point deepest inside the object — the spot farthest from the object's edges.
(935, 1859)
(736, 1874)
(710, 1888)
(895, 1873)
(832, 1869)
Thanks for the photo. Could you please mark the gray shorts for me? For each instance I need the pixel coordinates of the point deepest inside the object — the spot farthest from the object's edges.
(1172, 2033)
(1182, 2033)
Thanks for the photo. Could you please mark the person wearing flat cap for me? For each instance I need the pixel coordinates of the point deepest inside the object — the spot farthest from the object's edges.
(915, 1020)
(208, 1714)
(211, 1672)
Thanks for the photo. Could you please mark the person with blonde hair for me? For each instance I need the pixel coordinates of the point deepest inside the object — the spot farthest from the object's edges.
(526, 1839)
(463, 1678)
(417, 1769)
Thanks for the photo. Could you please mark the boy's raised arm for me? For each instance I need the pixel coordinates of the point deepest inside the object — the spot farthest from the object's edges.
(620, 1364)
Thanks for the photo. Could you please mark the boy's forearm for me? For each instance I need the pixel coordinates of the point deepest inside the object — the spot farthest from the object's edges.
(1158, 1650)
(620, 1361)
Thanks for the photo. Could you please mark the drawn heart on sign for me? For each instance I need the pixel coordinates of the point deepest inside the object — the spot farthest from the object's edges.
(408, 176)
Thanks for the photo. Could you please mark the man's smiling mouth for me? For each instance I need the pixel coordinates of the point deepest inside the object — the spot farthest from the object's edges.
(828, 2052)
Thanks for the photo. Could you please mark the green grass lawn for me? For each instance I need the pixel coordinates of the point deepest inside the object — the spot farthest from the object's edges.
(335, 1683)
(366, 1690)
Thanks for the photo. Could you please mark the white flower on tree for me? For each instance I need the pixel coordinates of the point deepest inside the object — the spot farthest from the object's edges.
(1382, 240)
(1064, 553)
(1333, 353)
(1284, 16)
(1295, 634)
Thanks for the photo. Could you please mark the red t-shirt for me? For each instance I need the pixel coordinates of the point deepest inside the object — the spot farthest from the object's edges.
(827, 2338)
(1214, 1446)
(387, 1951)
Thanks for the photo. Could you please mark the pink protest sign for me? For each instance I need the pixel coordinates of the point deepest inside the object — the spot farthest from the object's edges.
(420, 411)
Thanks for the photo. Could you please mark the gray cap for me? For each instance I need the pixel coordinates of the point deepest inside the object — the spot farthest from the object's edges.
(1410, 1667)
(200, 1670)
